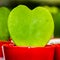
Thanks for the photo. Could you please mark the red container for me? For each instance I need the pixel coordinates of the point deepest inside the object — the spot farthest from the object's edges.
(26, 53)
(3, 43)
(57, 52)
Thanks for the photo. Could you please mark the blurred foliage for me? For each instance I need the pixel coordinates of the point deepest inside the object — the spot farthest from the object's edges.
(56, 18)
(30, 3)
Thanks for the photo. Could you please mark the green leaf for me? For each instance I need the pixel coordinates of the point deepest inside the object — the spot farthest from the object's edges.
(4, 33)
(30, 27)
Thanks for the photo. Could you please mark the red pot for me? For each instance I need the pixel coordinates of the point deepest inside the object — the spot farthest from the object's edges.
(25, 53)
(57, 52)
(3, 43)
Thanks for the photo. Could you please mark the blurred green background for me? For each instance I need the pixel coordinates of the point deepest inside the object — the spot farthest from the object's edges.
(52, 5)
(30, 3)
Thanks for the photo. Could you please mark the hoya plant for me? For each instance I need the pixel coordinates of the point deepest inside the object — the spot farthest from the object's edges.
(30, 27)
(4, 33)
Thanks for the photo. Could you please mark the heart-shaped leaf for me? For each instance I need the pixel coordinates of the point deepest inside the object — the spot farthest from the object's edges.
(4, 33)
(30, 27)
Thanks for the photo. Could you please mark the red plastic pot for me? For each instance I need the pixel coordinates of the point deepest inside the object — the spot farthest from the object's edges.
(25, 53)
(57, 52)
(3, 43)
